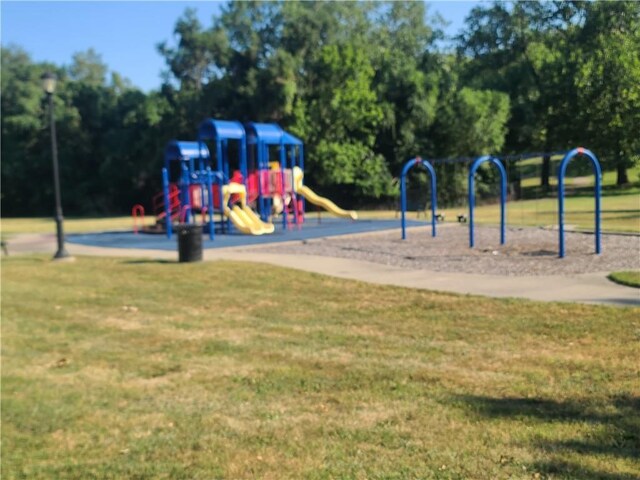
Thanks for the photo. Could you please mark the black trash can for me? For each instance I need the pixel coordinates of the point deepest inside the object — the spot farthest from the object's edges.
(189, 242)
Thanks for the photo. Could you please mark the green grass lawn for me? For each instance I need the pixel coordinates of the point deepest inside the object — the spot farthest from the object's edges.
(12, 226)
(116, 368)
(630, 279)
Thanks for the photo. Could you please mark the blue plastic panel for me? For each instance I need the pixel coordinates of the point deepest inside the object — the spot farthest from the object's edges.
(268, 133)
(183, 151)
(212, 129)
(289, 139)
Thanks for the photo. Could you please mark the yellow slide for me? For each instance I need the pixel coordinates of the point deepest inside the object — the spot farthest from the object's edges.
(316, 199)
(242, 217)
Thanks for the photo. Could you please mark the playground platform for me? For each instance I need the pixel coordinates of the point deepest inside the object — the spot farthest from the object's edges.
(312, 228)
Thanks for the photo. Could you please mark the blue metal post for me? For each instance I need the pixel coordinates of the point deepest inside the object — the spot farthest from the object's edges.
(561, 173)
(434, 200)
(403, 197)
(186, 201)
(503, 201)
(219, 168)
(294, 196)
(219, 155)
(200, 158)
(210, 202)
(503, 196)
(472, 206)
(259, 153)
(301, 165)
(243, 162)
(598, 206)
(225, 167)
(225, 157)
(283, 164)
(268, 200)
(167, 206)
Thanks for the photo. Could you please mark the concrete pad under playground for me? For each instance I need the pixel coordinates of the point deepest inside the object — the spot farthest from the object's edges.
(579, 288)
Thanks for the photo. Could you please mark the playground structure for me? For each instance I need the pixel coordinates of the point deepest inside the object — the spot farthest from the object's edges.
(503, 194)
(263, 176)
(255, 165)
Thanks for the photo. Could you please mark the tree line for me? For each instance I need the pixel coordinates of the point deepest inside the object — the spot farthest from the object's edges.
(366, 85)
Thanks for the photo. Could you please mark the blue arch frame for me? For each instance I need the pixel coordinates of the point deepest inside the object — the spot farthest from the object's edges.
(503, 194)
(403, 192)
(222, 131)
(185, 152)
(562, 168)
(262, 135)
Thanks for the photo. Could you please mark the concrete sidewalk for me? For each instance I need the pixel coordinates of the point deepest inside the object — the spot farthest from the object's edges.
(584, 288)
(580, 288)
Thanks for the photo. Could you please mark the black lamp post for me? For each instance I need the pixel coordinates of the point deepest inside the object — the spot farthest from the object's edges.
(49, 86)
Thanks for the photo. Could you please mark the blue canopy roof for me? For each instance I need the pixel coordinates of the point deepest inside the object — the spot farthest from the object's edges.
(211, 129)
(183, 151)
(289, 139)
(269, 133)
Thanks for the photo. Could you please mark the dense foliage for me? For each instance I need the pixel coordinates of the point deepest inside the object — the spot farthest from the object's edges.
(366, 85)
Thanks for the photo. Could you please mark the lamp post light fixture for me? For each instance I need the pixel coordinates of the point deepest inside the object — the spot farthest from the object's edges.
(49, 87)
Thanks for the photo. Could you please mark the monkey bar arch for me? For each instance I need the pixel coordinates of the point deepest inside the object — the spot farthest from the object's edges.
(503, 195)
(403, 193)
(562, 168)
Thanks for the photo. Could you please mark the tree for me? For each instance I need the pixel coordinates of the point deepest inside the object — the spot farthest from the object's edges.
(345, 116)
(608, 82)
(524, 49)
(27, 186)
(88, 68)
(407, 77)
(198, 51)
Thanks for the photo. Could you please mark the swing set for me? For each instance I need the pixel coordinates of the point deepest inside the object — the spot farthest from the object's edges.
(428, 165)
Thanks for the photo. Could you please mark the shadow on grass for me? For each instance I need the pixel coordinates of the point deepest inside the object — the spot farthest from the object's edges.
(631, 302)
(561, 469)
(617, 435)
(144, 261)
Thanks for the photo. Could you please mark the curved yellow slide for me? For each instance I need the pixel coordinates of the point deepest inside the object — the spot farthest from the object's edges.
(316, 199)
(242, 217)
(256, 221)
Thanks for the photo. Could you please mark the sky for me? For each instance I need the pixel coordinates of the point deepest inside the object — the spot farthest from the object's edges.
(125, 33)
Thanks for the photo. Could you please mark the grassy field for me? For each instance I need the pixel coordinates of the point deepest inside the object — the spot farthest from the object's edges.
(136, 369)
(12, 226)
(630, 279)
